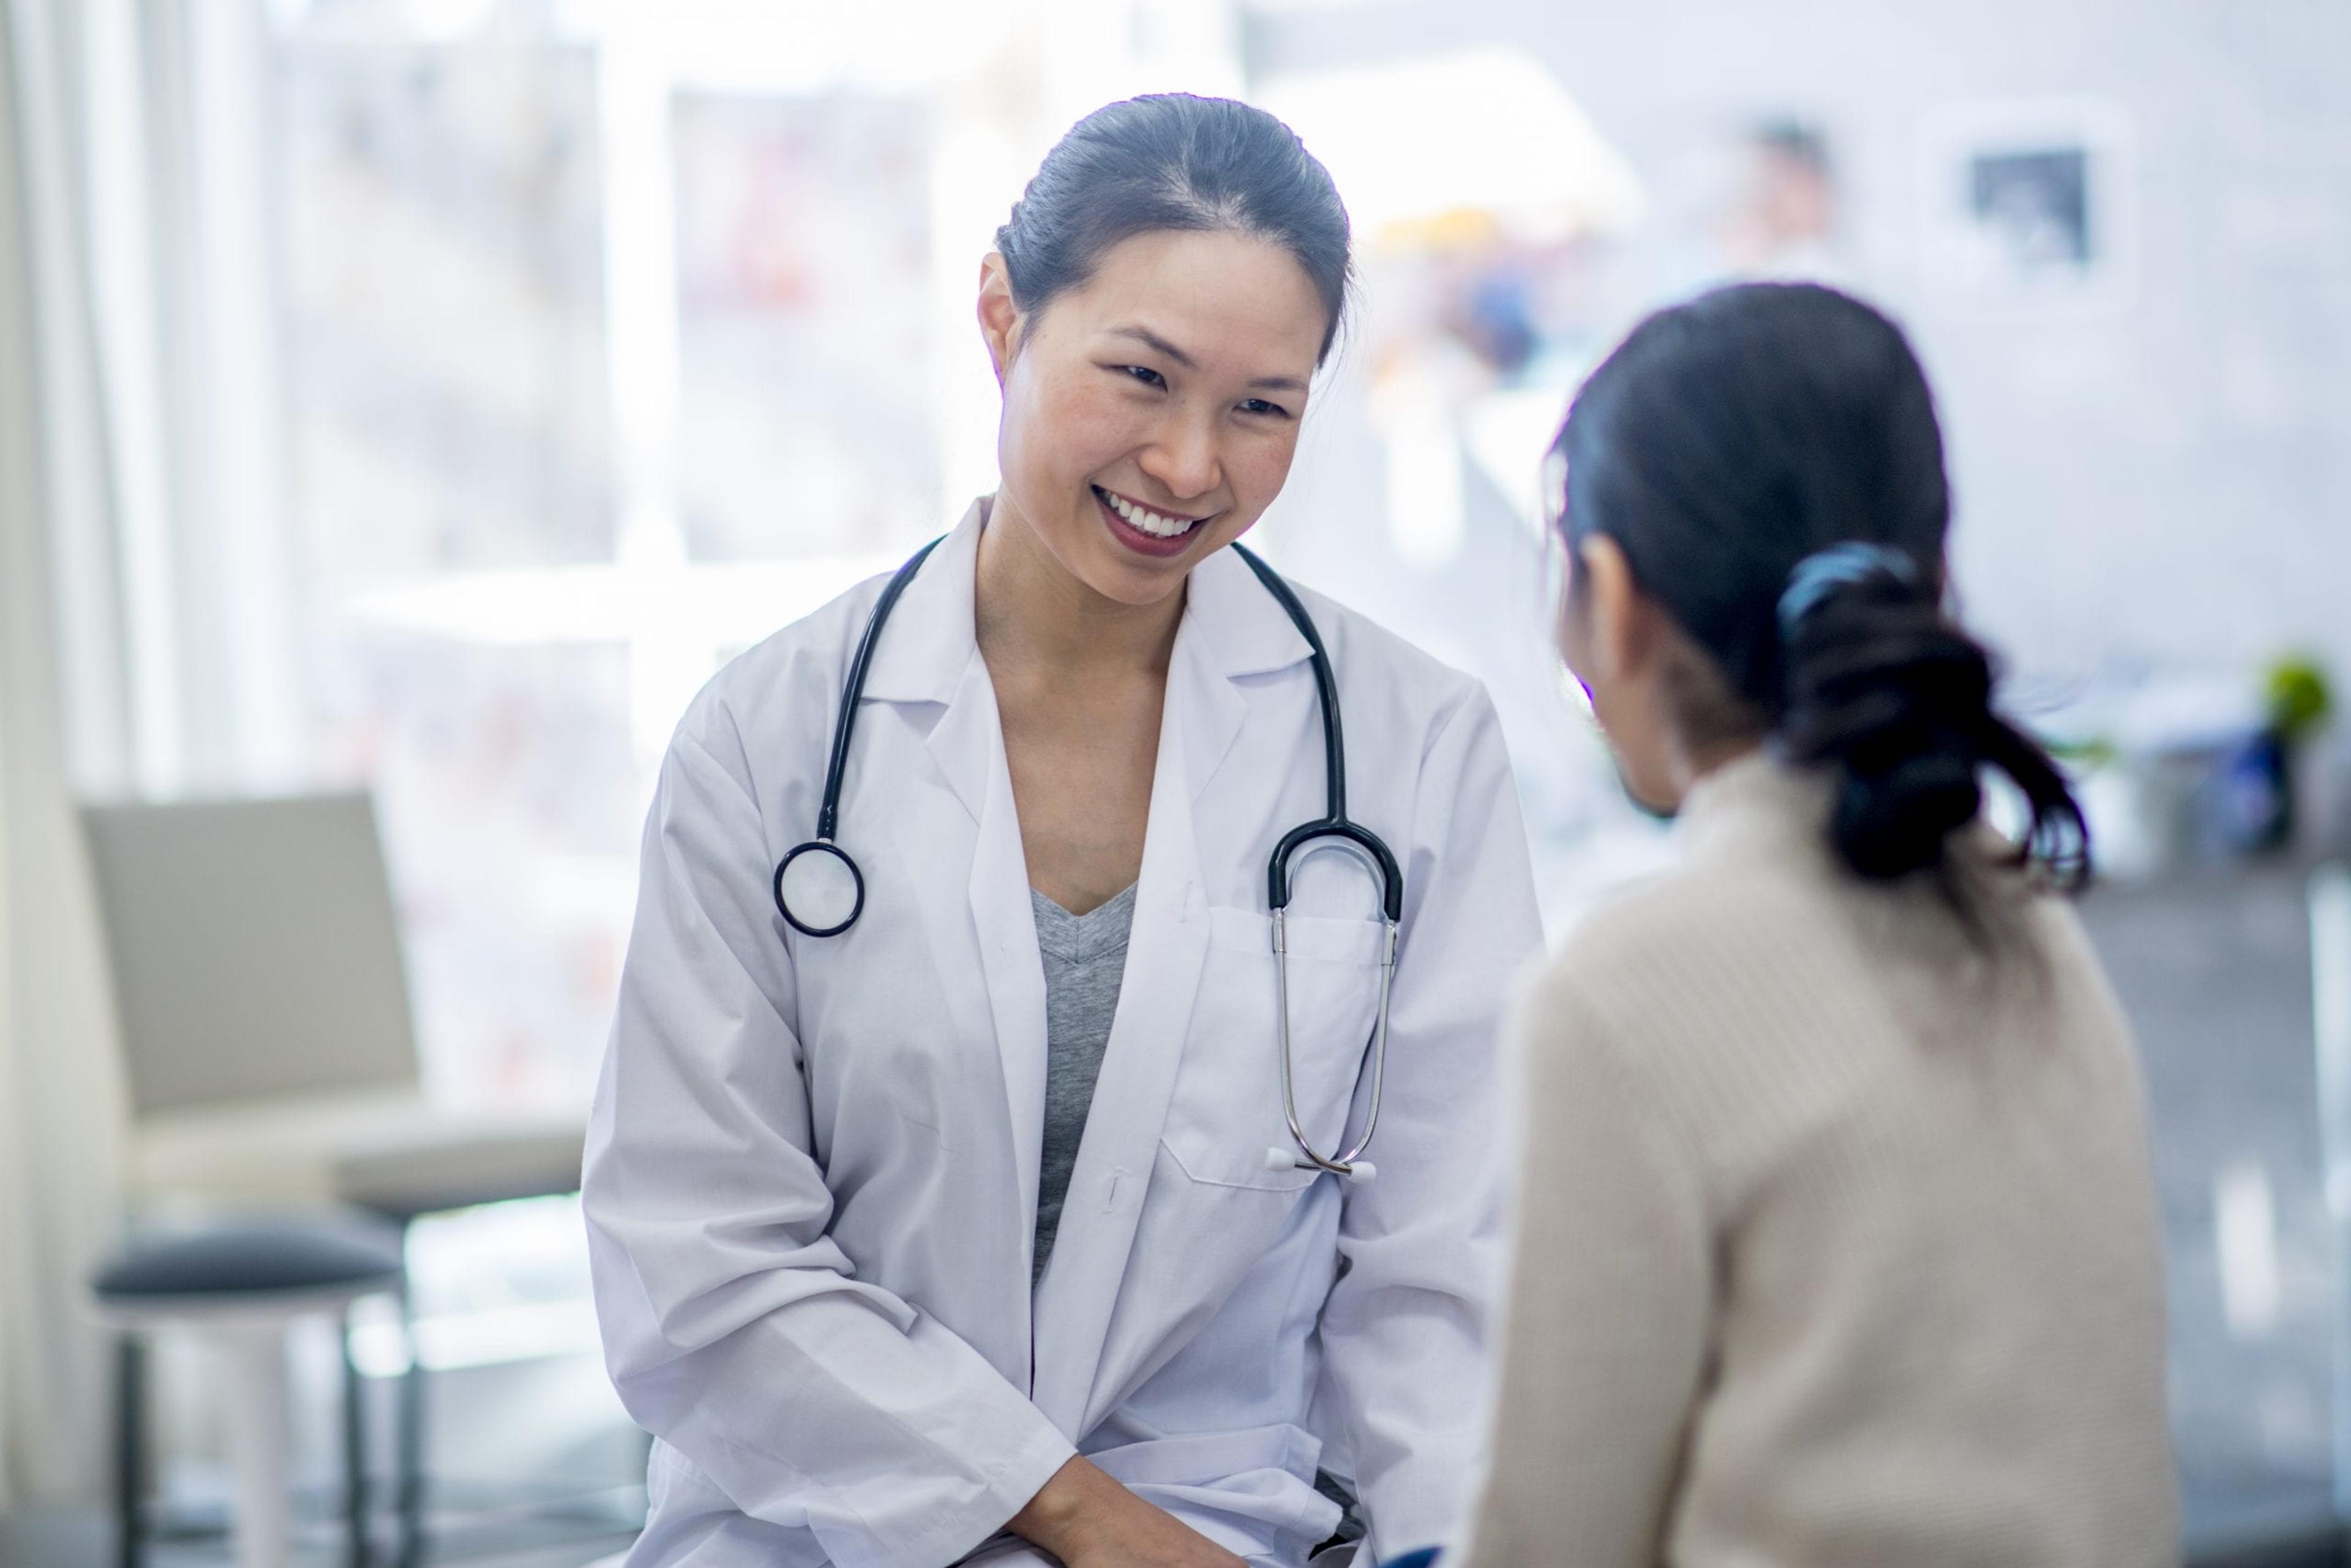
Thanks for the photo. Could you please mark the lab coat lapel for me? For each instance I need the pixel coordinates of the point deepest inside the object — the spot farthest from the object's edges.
(939, 660)
(1006, 926)
(1166, 948)
(931, 656)
(1235, 630)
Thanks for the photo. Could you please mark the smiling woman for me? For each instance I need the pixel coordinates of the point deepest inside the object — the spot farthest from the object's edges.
(951, 1233)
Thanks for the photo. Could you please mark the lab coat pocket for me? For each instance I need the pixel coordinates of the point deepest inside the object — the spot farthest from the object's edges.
(1227, 1111)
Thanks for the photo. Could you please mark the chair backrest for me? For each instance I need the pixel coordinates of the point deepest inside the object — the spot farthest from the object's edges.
(255, 950)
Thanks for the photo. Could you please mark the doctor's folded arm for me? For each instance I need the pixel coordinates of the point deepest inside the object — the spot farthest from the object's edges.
(1051, 1114)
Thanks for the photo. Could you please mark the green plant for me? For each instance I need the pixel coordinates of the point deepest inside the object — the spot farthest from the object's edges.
(2299, 696)
(2090, 752)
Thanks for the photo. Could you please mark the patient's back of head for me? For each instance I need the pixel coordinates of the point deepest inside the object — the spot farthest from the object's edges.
(1767, 459)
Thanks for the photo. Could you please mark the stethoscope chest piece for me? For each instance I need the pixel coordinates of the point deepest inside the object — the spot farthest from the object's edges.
(820, 892)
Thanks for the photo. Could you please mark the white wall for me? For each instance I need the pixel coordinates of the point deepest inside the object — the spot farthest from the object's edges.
(2168, 484)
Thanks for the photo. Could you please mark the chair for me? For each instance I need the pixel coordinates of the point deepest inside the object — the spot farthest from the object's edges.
(242, 1285)
(269, 1054)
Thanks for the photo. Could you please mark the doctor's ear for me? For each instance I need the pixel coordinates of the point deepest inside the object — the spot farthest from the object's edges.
(1000, 318)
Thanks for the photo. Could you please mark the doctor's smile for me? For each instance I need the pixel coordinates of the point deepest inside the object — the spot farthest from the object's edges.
(1139, 527)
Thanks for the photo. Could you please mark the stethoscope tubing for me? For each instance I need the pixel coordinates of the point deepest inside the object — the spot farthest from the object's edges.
(1335, 825)
(1344, 1165)
(827, 816)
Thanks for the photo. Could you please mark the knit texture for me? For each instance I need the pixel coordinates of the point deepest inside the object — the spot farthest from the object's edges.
(1836, 1236)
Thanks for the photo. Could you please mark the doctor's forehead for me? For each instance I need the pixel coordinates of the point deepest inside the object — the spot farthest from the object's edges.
(1222, 304)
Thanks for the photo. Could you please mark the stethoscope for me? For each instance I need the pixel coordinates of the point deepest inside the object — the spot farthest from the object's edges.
(821, 892)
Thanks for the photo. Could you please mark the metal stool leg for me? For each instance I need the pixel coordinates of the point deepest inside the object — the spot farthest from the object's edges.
(131, 1446)
(355, 1473)
(260, 1451)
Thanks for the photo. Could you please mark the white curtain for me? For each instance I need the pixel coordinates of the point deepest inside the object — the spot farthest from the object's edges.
(145, 631)
(59, 1103)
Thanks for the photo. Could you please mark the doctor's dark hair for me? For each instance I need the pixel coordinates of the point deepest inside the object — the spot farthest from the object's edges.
(1767, 459)
(1171, 160)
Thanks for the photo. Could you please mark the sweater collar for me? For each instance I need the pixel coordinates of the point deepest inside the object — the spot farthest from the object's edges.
(1757, 800)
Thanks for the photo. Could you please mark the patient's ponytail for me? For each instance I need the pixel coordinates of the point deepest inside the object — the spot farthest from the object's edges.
(1767, 459)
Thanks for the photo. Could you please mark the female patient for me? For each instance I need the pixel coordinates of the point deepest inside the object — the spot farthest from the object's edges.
(1837, 1241)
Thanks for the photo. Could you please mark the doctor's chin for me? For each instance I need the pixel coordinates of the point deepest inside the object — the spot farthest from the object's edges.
(1173, 784)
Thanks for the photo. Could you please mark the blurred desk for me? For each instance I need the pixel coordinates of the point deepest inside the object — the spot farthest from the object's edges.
(389, 1151)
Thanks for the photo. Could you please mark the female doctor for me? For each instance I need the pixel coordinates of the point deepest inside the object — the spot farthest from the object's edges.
(976, 1226)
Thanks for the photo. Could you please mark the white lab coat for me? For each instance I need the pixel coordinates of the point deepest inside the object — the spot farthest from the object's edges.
(811, 1169)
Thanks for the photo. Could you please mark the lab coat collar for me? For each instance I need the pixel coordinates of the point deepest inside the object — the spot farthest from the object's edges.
(1238, 628)
(930, 643)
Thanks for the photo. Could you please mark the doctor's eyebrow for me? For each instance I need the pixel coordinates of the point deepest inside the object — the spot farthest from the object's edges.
(1160, 345)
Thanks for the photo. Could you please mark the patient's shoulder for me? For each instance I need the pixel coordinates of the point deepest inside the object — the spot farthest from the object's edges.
(1674, 919)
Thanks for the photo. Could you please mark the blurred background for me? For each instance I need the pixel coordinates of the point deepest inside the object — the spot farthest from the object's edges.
(410, 402)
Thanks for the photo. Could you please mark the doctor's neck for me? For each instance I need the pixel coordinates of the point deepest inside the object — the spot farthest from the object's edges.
(1031, 611)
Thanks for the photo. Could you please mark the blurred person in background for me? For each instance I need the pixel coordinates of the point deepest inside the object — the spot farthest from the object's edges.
(967, 1222)
(1835, 1237)
(1784, 225)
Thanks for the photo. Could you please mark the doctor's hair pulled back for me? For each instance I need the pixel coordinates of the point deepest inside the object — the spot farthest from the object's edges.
(1768, 458)
(1173, 162)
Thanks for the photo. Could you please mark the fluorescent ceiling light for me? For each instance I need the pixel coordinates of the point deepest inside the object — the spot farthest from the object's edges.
(1483, 130)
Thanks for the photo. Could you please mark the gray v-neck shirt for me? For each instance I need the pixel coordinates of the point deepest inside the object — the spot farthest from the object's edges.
(1085, 959)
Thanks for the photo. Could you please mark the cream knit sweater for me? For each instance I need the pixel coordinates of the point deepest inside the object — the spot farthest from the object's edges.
(1835, 1238)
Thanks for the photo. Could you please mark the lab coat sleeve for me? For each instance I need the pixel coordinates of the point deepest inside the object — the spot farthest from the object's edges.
(733, 1325)
(1405, 1331)
(1607, 1317)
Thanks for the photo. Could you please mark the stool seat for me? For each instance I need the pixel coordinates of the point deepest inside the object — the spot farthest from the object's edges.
(251, 1259)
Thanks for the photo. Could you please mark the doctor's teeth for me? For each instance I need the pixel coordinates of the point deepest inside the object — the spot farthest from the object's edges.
(1150, 522)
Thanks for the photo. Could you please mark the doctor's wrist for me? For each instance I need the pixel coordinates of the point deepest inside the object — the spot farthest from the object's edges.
(1089, 1520)
(1056, 1517)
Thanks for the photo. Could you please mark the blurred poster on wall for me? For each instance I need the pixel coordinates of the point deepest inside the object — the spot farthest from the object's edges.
(808, 412)
(2029, 204)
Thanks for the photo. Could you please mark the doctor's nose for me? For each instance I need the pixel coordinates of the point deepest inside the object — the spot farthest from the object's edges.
(1185, 460)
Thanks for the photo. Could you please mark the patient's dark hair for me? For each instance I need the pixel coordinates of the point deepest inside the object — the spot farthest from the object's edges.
(1171, 160)
(1730, 446)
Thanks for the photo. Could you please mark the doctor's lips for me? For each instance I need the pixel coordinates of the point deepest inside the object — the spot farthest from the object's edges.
(1154, 533)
